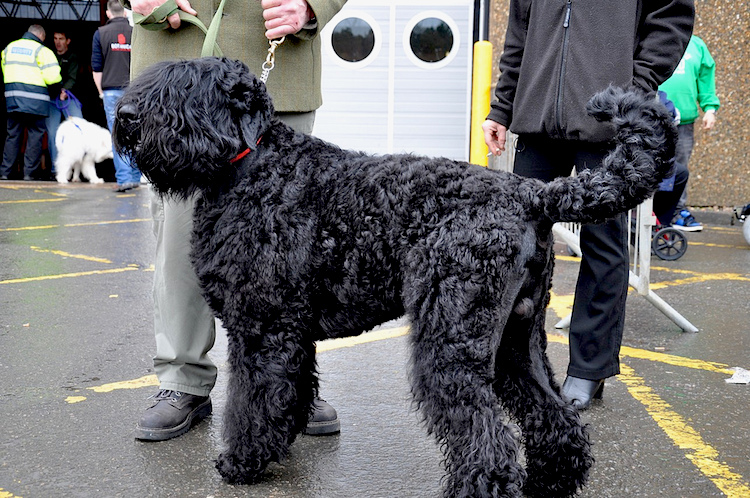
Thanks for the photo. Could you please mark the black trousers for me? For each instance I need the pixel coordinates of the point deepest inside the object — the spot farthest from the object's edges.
(17, 121)
(599, 305)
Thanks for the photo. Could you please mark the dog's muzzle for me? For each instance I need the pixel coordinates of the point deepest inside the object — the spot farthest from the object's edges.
(127, 120)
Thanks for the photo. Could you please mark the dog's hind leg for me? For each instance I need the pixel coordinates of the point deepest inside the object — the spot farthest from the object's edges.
(270, 394)
(455, 333)
(88, 168)
(558, 454)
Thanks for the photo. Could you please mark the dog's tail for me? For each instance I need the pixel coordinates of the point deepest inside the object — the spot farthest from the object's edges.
(645, 137)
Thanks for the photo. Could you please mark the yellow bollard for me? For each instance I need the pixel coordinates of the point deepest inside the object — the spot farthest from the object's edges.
(481, 87)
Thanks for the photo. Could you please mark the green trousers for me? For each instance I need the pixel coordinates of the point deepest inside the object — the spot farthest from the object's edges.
(184, 326)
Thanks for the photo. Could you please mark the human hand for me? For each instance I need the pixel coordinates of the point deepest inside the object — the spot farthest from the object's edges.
(285, 17)
(709, 119)
(146, 7)
(494, 136)
(63, 94)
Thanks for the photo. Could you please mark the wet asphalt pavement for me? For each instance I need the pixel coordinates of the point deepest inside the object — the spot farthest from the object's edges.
(76, 340)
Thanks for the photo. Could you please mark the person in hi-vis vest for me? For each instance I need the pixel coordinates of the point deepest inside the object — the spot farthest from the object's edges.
(31, 74)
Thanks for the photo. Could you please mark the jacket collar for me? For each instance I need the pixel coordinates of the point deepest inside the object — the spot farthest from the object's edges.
(31, 36)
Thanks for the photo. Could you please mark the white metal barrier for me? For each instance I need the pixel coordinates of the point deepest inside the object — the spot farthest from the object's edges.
(640, 271)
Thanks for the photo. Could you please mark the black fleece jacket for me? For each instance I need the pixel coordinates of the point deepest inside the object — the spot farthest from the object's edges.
(559, 53)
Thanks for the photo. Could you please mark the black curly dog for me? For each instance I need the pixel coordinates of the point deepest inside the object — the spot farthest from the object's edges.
(300, 241)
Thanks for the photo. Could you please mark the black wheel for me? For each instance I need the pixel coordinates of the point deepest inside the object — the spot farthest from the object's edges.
(669, 244)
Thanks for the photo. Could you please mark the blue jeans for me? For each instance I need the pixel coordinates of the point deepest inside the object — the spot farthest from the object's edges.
(52, 123)
(125, 172)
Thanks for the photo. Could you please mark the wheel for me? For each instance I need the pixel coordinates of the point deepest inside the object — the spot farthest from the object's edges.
(669, 244)
(746, 230)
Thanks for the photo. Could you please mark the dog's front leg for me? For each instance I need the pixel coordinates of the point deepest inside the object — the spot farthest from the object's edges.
(271, 388)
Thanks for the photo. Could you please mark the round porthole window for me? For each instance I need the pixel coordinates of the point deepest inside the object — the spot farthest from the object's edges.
(353, 39)
(431, 39)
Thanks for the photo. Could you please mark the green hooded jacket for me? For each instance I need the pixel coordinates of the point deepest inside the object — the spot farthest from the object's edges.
(693, 83)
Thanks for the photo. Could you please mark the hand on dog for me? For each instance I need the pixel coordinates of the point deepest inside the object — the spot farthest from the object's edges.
(494, 136)
(285, 17)
(146, 7)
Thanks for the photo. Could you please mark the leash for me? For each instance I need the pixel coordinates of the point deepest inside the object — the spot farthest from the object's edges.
(157, 20)
(62, 105)
(270, 61)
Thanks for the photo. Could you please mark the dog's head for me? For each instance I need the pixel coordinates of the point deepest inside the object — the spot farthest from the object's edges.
(182, 122)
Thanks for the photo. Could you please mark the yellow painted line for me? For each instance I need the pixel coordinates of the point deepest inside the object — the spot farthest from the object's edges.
(30, 201)
(720, 246)
(7, 494)
(75, 399)
(75, 225)
(703, 455)
(668, 359)
(561, 305)
(147, 381)
(348, 342)
(67, 275)
(68, 255)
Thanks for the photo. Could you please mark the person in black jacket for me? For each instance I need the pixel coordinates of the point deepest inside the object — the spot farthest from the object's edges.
(557, 55)
(110, 64)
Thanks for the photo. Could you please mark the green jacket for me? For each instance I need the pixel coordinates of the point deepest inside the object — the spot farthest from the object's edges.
(294, 83)
(693, 83)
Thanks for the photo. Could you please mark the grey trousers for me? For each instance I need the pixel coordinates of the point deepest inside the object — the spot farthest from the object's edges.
(184, 326)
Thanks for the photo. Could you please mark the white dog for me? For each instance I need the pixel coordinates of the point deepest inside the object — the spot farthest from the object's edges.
(80, 145)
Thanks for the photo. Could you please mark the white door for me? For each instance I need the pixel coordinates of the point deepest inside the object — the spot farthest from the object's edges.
(397, 77)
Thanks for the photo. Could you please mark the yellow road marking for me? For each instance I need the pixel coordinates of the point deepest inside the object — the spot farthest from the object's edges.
(147, 381)
(347, 342)
(30, 201)
(703, 455)
(68, 255)
(75, 225)
(667, 359)
(67, 275)
(75, 399)
(7, 494)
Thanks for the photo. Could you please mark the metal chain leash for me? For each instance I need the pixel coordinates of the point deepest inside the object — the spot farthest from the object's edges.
(270, 58)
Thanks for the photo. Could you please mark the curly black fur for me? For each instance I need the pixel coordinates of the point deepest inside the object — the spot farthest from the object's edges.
(302, 241)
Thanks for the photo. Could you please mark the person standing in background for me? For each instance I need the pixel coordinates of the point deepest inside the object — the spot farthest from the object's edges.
(692, 86)
(62, 107)
(31, 74)
(110, 63)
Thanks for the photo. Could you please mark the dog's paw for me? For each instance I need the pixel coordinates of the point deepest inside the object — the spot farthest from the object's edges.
(96, 180)
(235, 471)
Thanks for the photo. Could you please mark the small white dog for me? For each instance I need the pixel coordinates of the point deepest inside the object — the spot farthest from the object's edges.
(80, 145)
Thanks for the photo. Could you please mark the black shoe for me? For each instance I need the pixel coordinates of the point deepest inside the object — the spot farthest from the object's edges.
(173, 414)
(580, 392)
(324, 420)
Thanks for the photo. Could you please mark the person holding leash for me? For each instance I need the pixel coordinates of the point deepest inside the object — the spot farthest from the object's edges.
(183, 323)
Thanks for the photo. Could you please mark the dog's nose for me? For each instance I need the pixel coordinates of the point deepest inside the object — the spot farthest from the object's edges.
(127, 113)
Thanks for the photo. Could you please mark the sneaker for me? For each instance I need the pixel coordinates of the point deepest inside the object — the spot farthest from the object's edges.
(324, 420)
(172, 415)
(124, 187)
(686, 222)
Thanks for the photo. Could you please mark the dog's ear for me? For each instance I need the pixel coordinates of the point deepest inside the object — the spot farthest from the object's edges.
(250, 104)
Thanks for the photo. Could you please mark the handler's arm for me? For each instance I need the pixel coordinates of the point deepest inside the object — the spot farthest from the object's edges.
(664, 31)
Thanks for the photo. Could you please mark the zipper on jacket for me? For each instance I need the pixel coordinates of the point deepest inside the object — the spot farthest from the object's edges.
(563, 61)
